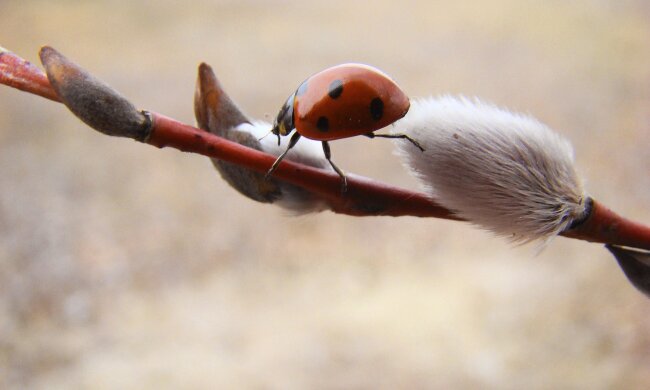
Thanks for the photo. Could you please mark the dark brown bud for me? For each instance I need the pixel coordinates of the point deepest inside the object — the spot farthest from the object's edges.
(91, 100)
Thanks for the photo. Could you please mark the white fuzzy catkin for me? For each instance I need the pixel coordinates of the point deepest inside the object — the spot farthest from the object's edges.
(503, 171)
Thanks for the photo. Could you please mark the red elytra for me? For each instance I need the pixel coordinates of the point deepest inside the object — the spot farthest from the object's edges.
(340, 102)
(345, 101)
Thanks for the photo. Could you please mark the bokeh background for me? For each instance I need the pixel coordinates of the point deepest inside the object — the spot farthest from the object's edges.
(124, 266)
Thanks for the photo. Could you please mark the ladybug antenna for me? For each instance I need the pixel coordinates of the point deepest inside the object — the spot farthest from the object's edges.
(265, 135)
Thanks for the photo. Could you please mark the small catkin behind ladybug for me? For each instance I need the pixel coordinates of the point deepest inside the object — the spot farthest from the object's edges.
(340, 102)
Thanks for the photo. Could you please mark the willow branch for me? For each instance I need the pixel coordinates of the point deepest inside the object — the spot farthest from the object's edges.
(108, 112)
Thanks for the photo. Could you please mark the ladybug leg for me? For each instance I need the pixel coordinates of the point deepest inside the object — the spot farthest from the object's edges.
(402, 136)
(328, 156)
(292, 142)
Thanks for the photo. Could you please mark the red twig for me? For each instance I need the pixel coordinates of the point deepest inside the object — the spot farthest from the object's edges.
(22, 74)
(363, 197)
(605, 226)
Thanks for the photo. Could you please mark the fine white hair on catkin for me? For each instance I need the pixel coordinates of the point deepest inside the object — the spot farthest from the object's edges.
(503, 171)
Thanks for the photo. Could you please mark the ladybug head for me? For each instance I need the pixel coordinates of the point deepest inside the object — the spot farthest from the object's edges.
(283, 124)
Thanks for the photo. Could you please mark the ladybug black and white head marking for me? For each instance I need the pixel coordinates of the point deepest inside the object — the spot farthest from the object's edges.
(283, 124)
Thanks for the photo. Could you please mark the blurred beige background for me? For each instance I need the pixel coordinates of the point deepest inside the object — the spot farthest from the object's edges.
(124, 266)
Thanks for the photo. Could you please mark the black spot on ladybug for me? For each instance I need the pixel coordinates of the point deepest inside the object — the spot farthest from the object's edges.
(302, 89)
(323, 124)
(376, 108)
(335, 89)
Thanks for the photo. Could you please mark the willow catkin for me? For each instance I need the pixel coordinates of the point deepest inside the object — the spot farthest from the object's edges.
(503, 171)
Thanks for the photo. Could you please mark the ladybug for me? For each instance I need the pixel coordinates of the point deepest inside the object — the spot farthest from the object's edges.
(340, 102)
